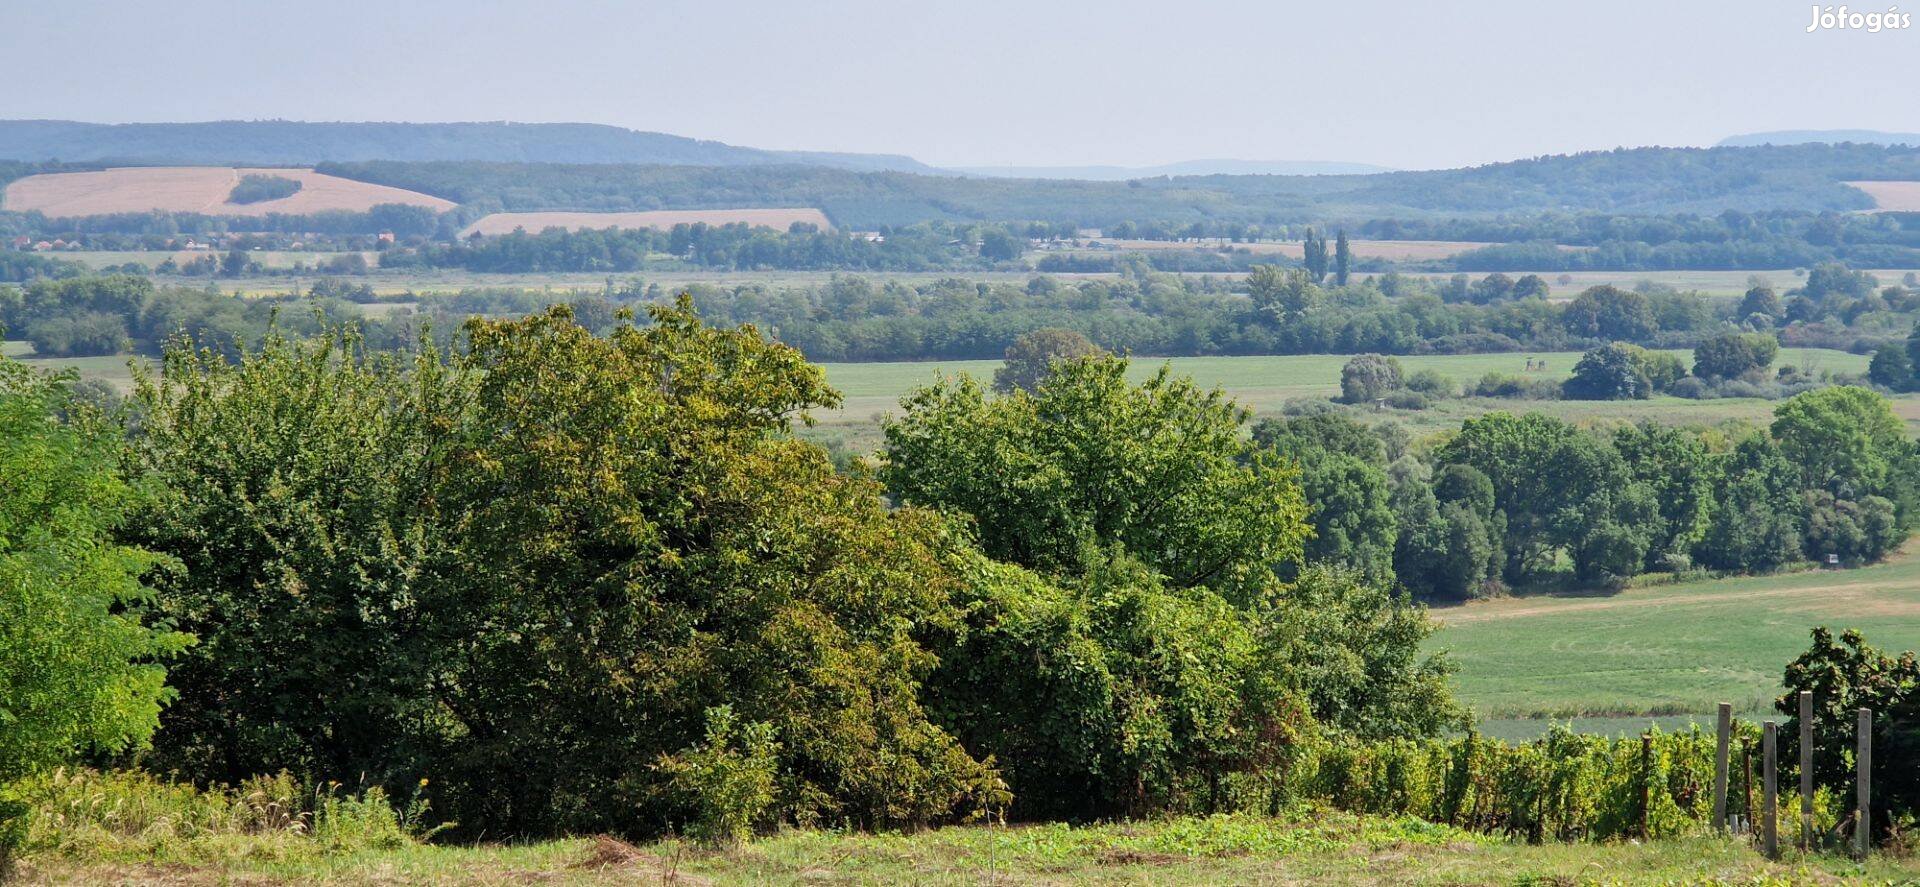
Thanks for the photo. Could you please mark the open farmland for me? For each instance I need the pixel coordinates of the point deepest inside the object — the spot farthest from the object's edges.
(534, 222)
(196, 189)
(1901, 197)
(1674, 649)
(1390, 250)
(1393, 250)
(1265, 383)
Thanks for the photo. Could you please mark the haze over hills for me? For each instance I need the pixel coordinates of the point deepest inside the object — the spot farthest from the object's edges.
(292, 142)
(1821, 136)
(1183, 168)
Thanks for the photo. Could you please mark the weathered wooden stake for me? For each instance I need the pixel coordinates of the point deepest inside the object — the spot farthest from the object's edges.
(1722, 753)
(1770, 789)
(1863, 781)
(1646, 782)
(1746, 784)
(1806, 770)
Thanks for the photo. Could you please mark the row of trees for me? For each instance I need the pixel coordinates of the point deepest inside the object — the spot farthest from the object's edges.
(1529, 500)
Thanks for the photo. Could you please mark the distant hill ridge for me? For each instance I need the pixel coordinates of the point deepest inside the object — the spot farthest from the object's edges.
(276, 142)
(1183, 168)
(1821, 136)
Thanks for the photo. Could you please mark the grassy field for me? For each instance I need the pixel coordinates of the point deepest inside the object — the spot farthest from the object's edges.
(112, 369)
(1265, 383)
(1318, 847)
(1675, 649)
(266, 258)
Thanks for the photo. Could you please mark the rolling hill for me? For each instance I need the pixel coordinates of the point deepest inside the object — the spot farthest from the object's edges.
(1183, 168)
(196, 189)
(1821, 136)
(286, 142)
(1628, 181)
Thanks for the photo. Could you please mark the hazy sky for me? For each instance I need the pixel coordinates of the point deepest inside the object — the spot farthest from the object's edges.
(976, 82)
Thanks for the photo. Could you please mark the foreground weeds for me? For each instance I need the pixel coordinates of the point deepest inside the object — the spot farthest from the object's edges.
(121, 828)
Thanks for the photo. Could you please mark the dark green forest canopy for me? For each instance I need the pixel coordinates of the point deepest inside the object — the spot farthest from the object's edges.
(1639, 180)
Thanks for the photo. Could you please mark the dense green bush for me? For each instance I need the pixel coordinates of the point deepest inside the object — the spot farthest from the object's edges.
(299, 490)
(79, 664)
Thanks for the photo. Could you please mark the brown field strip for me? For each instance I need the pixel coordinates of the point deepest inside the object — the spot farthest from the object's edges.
(1902, 197)
(196, 189)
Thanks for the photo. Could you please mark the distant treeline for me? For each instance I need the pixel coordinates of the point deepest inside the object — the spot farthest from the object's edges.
(1637, 181)
(1145, 312)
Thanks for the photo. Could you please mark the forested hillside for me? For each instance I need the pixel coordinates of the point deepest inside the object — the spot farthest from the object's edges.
(1640, 180)
(294, 142)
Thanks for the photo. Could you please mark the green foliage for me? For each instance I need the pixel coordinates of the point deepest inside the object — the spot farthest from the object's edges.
(299, 487)
(1856, 531)
(1328, 432)
(1758, 509)
(1369, 377)
(1353, 523)
(1283, 295)
(639, 535)
(1029, 360)
(1891, 368)
(727, 780)
(1110, 693)
(1160, 469)
(1562, 787)
(1353, 647)
(78, 661)
(1847, 441)
(133, 816)
(1676, 469)
(1845, 677)
(1608, 372)
(1560, 491)
(1432, 383)
(1761, 300)
(257, 188)
(1607, 312)
(1733, 355)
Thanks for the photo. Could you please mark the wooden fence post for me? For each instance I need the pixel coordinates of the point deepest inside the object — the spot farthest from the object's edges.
(1722, 753)
(1646, 783)
(1746, 784)
(1863, 780)
(1770, 789)
(1806, 770)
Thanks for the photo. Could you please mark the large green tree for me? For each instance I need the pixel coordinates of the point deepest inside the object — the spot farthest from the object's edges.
(78, 661)
(1846, 439)
(640, 541)
(1160, 469)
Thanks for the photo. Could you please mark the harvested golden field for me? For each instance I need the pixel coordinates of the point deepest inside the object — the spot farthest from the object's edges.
(534, 223)
(196, 189)
(1396, 250)
(1892, 197)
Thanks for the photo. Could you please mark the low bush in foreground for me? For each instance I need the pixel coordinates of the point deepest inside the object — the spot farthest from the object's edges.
(130, 816)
